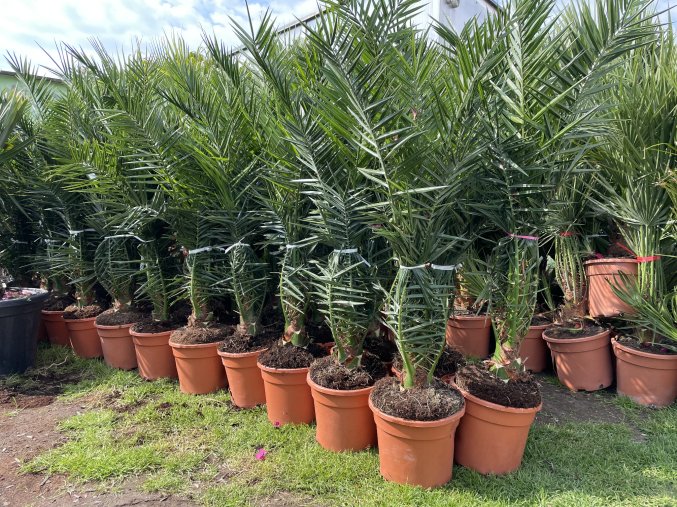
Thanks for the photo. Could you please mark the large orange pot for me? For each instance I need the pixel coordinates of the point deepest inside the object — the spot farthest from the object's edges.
(469, 334)
(288, 398)
(582, 363)
(199, 367)
(419, 453)
(244, 378)
(154, 355)
(491, 438)
(57, 332)
(533, 349)
(601, 274)
(648, 379)
(117, 346)
(84, 338)
(344, 421)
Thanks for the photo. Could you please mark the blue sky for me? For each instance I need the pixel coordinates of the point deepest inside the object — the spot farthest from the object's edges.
(25, 25)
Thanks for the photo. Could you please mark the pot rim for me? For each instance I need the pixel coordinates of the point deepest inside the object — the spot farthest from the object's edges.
(418, 424)
(238, 355)
(193, 345)
(496, 406)
(641, 353)
(576, 340)
(338, 392)
(117, 326)
(610, 260)
(542, 326)
(470, 317)
(268, 369)
(88, 319)
(37, 295)
(52, 312)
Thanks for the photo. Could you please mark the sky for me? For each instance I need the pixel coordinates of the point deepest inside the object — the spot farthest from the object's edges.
(26, 26)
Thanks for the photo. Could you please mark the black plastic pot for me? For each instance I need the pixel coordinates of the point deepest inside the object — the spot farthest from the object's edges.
(19, 322)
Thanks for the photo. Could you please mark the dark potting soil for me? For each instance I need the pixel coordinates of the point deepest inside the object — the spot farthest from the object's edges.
(86, 312)
(540, 320)
(565, 332)
(240, 342)
(194, 335)
(420, 403)
(449, 363)
(154, 326)
(58, 302)
(328, 373)
(288, 356)
(112, 317)
(319, 332)
(481, 382)
(658, 347)
(380, 345)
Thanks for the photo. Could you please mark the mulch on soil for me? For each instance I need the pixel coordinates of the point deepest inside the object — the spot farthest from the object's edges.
(420, 403)
(86, 312)
(155, 326)
(658, 347)
(240, 342)
(480, 382)
(58, 302)
(112, 317)
(288, 356)
(328, 373)
(570, 333)
(194, 335)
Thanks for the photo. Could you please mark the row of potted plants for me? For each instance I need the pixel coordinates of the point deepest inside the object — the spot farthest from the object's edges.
(290, 211)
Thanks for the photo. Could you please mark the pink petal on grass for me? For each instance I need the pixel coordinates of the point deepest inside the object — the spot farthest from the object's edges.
(261, 454)
(277, 424)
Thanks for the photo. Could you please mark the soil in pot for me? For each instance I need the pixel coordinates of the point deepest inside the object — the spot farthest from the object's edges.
(415, 429)
(493, 433)
(82, 329)
(195, 350)
(382, 346)
(116, 341)
(19, 322)
(450, 361)
(534, 351)
(52, 316)
(469, 333)
(153, 354)
(581, 356)
(645, 372)
(284, 369)
(239, 354)
(58, 302)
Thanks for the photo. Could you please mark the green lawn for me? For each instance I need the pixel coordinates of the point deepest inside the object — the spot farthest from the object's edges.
(202, 447)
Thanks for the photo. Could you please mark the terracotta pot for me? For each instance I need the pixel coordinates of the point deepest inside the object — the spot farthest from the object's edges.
(601, 274)
(469, 334)
(344, 421)
(646, 378)
(117, 346)
(288, 398)
(154, 355)
(491, 438)
(42, 331)
(533, 349)
(57, 331)
(199, 367)
(244, 378)
(84, 338)
(419, 453)
(582, 363)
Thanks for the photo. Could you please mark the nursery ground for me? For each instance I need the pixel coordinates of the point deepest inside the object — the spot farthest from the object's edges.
(74, 431)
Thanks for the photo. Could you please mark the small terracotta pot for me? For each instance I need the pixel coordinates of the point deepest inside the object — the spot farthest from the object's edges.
(154, 355)
(419, 453)
(288, 398)
(84, 338)
(601, 274)
(469, 334)
(42, 331)
(244, 378)
(117, 346)
(344, 421)
(199, 367)
(533, 349)
(646, 378)
(582, 363)
(57, 331)
(491, 438)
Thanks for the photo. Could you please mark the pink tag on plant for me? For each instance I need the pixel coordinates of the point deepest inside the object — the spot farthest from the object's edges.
(261, 454)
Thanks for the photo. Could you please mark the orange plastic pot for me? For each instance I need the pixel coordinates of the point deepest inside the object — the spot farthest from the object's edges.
(601, 275)
(244, 378)
(648, 379)
(42, 331)
(533, 349)
(84, 338)
(419, 453)
(154, 355)
(491, 438)
(57, 331)
(288, 398)
(582, 363)
(344, 421)
(199, 367)
(117, 346)
(469, 334)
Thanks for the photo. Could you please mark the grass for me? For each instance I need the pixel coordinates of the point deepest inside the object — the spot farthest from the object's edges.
(201, 447)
